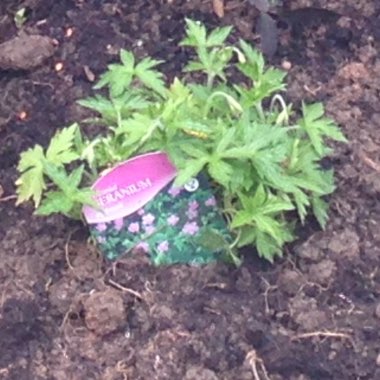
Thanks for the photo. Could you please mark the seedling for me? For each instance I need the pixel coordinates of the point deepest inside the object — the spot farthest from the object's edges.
(20, 18)
(261, 156)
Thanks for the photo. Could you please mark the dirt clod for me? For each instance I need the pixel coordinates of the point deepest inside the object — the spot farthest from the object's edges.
(345, 244)
(322, 272)
(305, 313)
(25, 52)
(310, 250)
(354, 71)
(200, 373)
(290, 281)
(61, 294)
(104, 312)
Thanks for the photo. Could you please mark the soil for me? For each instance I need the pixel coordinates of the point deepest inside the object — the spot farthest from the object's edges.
(314, 315)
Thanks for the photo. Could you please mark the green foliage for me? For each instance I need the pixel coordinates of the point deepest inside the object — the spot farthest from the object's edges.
(318, 127)
(263, 160)
(120, 76)
(36, 167)
(69, 198)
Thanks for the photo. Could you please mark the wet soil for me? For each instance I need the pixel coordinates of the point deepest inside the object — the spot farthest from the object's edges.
(315, 315)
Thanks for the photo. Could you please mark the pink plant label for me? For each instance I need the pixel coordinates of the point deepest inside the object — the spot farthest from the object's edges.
(129, 186)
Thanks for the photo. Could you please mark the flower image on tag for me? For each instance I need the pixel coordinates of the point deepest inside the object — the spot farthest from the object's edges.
(142, 212)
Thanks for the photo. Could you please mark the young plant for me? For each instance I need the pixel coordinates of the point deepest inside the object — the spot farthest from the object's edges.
(20, 18)
(42, 169)
(262, 158)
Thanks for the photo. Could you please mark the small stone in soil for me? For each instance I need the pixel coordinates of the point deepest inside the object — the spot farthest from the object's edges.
(62, 293)
(322, 272)
(310, 250)
(104, 312)
(25, 52)
(290, 281)
(311, 320)
(345, 244)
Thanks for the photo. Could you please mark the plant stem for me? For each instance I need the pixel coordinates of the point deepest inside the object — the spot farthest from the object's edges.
(260, 111)
(210, 80)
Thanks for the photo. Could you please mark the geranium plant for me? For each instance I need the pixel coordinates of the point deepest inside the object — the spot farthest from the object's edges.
(225, 117)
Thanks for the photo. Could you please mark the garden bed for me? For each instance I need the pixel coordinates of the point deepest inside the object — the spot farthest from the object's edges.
(65, 314)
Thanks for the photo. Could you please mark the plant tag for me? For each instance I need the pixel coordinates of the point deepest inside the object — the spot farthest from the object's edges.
(141, 212)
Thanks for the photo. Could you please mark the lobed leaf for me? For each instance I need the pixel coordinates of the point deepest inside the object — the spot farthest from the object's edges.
(31, 183)
(61, 147)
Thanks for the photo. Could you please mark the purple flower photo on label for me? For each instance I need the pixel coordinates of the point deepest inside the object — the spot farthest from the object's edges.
(193, 205)
(142, 246)
(211, 202)
(192, 214)
(163, 246)
(101, 227)
(134, 228)
(118, 223)
(174, 191)
(190, 228)
(148, 219)
(173, 220)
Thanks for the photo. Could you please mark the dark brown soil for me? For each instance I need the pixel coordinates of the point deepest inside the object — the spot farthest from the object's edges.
(315, 315)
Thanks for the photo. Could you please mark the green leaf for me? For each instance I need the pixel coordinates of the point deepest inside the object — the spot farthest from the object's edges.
(194, 150)
(247, 236)
(131, 102)
(254, 65)
(111, 109)
(252, 204)
(179, 90)
(127, 58)
(151, 78)
(270, 226)
(318, 127)
(320, 210)
(259, 199)
(302, 202)
(61, 147)
(194, 66)
(55, 202)
(220, 171)
(276, 205)
(227, 139)
(76, 175)
(211, 239)
(267, 247)
(134, 128)
(31, 183)
(195, 34)
(192, 169)
(59, 177)
(218, 36)
(85, 196)
(119, 76)
(241, 218)
(99, 104)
